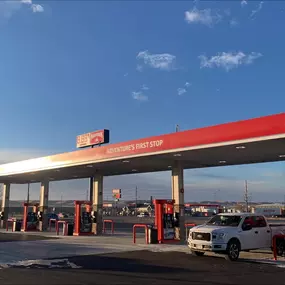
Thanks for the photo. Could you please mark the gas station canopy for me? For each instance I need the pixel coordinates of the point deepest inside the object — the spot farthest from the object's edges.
(244, 142)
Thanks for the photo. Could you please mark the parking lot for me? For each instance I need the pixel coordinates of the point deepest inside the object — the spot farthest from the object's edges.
(114, 259)
(145, 267)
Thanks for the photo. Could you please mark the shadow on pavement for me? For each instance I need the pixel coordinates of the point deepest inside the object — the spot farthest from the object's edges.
(124, 264)
(10, 237)
(144, 267)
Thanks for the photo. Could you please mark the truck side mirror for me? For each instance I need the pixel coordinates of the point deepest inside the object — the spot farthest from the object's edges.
(246, 227)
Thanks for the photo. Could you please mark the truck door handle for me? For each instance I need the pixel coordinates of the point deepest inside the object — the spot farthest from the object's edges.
(256, 232)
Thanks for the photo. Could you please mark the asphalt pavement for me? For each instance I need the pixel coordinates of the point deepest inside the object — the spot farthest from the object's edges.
(11, 237)
(144, 267)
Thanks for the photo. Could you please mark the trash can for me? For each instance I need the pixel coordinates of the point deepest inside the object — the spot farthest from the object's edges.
(152, 235)
(70, 229)
(17, 226)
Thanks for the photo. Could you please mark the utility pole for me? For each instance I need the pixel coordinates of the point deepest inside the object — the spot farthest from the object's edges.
(91, 180)
(215, 195)
(246, 197)
(61, 203)
(136, 199)
(1, 193)
(28, 193)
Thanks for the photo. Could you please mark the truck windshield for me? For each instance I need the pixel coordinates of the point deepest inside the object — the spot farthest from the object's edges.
(224, 220)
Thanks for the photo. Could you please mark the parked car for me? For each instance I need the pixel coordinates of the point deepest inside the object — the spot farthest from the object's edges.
(53, 216)
(232, 233)
(142, 215)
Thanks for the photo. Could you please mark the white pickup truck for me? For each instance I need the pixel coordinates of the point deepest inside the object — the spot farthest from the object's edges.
(231, 233)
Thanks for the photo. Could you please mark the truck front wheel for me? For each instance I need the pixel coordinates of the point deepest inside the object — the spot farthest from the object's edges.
(233, 250)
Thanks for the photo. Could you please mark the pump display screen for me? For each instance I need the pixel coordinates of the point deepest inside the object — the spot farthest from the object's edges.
(86, 224)
(168, 226)
(32, 217)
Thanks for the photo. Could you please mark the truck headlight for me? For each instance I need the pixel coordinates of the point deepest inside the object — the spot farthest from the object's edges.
(219, 236)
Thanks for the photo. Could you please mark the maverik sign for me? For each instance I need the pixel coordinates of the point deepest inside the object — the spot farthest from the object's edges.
(93, 138)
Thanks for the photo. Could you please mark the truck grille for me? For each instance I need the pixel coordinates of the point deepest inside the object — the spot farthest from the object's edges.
(201, 236)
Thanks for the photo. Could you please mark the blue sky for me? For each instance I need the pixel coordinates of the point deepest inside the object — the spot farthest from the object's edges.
(139, 68)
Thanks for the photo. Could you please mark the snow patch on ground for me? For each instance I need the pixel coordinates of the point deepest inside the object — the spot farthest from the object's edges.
(56, 263)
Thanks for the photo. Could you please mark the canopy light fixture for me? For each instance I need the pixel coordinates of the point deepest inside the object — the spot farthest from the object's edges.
(240, 147)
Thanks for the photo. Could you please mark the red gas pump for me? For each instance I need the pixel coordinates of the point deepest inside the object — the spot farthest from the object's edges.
(30, 219)
(83, 220)
(164, 220)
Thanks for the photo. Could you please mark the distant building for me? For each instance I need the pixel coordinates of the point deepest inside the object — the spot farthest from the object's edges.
(270, 210)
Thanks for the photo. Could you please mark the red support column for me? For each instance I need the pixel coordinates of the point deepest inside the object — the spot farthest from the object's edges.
(25, 218)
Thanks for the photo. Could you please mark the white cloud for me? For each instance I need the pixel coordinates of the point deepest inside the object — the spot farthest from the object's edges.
(163, 61)
(254, 12)
(139, 68)
(144, 87)
(29, 2)
(139, 95)
(206, 17)
(9, 8)
(243, 3)
(233, 22)
(126, 74)
(37, 8)
(228, 60)
(227, 12)
(181, 91)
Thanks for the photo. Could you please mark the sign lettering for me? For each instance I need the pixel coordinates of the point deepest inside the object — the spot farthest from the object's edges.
(93, 138)
(138, 146)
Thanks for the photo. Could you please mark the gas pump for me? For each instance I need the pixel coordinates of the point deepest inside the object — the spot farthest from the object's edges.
(165, 220)
(1, 215)
(83, 220)
(31, 218)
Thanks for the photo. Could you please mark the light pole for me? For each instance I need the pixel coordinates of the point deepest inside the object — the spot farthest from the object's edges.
(28, 193)
(61, 203)
(136, 200)
(215, 195)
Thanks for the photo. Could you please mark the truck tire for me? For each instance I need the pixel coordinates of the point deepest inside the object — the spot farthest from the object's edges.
(198, 253)
(233, 250)
(280, 247)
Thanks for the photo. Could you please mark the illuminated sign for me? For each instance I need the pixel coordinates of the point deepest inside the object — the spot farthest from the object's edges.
(93, 138)
(117, 193)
